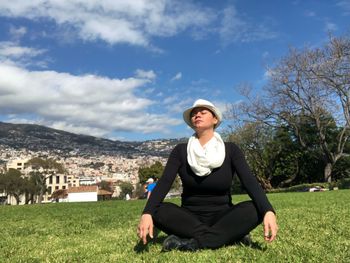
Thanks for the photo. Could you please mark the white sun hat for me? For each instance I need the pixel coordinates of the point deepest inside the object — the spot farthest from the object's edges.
(205, 104)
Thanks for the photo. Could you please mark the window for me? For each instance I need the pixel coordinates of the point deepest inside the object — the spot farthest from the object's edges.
(64, 187)
(56, 187)
(65, 179)
(49, 189)
(50, 179)
(57, 179)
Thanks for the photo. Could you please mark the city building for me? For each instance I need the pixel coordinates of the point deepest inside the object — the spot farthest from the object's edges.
(86, 193)
(17, 164)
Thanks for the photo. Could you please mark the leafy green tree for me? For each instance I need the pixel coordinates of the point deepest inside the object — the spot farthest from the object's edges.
(252, 139)
(105, 186)
(46, 164)
(126, 188)
(154, 171)
(342, 169)
(43, 168)
(139, 191)
(39, 181)
(12, 184)
(275, 155)
(30, 190)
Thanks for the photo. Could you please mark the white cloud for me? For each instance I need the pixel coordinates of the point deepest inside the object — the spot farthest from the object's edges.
(89, 104)
(175, 105)
(236, 29)
(143, 74)
(17, 32)
(133, 22)
(137, 22)
(13, 51)
(178, 76)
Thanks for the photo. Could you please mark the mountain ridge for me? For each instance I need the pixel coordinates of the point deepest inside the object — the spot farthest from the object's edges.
(36, 137)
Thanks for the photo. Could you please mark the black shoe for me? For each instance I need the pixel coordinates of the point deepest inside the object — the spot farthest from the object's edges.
(174, 242)
(246, 240)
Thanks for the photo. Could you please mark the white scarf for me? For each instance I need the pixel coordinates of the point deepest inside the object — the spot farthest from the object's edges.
(203, 159)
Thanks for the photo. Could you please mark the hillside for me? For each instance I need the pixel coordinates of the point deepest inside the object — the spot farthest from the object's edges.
(40, 138)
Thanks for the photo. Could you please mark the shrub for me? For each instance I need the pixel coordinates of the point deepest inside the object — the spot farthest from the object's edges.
(341, 184)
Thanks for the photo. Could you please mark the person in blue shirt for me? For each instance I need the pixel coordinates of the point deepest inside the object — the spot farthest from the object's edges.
(151, 184)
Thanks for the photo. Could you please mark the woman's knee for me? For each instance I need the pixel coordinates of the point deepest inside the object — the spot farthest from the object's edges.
(251, 211)
(164, 211)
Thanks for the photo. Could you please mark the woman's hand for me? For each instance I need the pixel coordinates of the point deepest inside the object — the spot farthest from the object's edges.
(270, 226)
(145, 227)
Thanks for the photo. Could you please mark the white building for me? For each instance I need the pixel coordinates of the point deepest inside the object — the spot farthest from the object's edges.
(55, 182)
(87, 193)
(87, 180)
(18, 164)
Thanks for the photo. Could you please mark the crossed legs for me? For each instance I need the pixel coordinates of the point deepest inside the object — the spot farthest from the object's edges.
(233, 224)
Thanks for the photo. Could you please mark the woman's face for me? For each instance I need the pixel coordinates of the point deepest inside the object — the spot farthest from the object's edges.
(202, 118)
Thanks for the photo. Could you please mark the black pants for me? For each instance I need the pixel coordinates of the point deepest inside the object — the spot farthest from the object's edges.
(210, 229)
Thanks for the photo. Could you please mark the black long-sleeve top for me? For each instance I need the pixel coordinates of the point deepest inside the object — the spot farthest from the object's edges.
(208, 193)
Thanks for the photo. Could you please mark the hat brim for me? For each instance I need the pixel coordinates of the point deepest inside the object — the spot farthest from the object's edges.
(187, 114)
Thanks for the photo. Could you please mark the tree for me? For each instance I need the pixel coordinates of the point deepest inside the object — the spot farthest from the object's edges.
(30, 190)
(46, 165)
(105, 185)
(311, 85)
(39, 181)
(154, 171)
(59, 194)
(126, 188)
(12, 184)
(252, 139)
(42, 170)
(271, 153)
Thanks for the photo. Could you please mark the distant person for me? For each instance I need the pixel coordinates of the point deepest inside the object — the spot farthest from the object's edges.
(150, 186)
(207, 218)
(127, 197)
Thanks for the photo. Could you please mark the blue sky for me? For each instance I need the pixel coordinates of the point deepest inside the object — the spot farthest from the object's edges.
(126, 70)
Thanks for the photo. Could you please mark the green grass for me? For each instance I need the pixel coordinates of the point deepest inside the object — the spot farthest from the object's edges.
(314, 227)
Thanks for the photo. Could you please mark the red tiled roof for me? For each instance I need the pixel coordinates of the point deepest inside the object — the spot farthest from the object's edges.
(83, 189)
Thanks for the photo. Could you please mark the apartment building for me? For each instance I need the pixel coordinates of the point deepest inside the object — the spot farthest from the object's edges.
(55, 182)
(18, 164)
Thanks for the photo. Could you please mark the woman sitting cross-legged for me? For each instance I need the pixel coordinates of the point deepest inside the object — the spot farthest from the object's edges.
(206, 165)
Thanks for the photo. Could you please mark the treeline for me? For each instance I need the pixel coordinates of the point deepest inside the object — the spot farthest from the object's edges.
(278, 160)
(296, 129)
(33, 187)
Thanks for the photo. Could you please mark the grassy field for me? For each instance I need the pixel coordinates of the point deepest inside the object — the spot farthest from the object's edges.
(314, 227)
